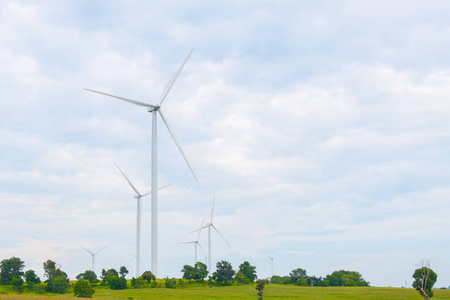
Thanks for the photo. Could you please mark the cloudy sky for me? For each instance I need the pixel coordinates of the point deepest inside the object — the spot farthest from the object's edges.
(322, 127)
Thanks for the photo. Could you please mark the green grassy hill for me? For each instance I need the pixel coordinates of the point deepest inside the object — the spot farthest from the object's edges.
(272, 291)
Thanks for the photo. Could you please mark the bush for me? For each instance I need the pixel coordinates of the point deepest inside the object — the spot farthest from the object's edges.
(148, 276)
(117, 283)
(170, 283)
(83, 288)
(38, 289)
(17, 284)
(137, 283)
(58, 285)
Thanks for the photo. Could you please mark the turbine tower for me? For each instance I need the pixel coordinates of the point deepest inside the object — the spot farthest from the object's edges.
(93, 255)
(138, 221)
(196, 243)
(209, 225)
(154, 109)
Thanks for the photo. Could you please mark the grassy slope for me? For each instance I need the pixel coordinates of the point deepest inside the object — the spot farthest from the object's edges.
(271, 291)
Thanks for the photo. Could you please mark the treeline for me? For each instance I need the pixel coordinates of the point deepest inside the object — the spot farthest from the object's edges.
(337, 278)
(57, 281)
(11, 273)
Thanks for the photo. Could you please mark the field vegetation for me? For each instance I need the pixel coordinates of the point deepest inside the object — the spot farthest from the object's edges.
(197, 291)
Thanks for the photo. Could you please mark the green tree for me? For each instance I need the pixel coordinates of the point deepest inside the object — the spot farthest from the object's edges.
(260, 287)
(49, 267)
(83, 288)
(188, 272)
(224, 273)
(123, 271)
(201, 271)
(346, 278)
(148, 276)
(117, 283)
(297, 274)
(137, 283)
(58, 281)
(17, 284)
(89, 276)
(31, 278)
(240, 278)
(424, 279)
(248, 270)
(106, 275)
(275, 279)
(10, 268)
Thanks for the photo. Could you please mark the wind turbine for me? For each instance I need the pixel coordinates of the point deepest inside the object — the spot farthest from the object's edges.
(93, 255)
(209, 225)
(138, 221)
(271, 258)
(154, 108)
(196, 243)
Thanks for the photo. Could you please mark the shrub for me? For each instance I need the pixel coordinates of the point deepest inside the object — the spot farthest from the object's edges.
(148, 276)
(137, 283)
(117, 283)
(83, 288)
(170, 283)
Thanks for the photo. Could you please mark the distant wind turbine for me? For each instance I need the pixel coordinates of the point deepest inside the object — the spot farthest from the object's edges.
(196, 243)
(209, 225)
(138, 221)
(271, 259)
(154, 108)
(93, 255)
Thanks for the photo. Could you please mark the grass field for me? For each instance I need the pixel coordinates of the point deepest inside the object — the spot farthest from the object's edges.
(272, 291)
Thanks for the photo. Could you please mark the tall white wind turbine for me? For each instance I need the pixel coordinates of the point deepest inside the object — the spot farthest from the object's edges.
(154, 109)
(138, 221)
(93, 256)
(209, 225)
(196, 243)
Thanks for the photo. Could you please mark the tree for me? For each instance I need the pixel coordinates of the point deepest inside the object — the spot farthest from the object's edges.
(117, 283)
(31, 278)
(275, 279)
(240, 278)
(201, 271)
(17, 283)
(58, 281)
(424, 279)
(260, 287)
(137, 283)
(248, 270)
(297, 274)
(10, 269)
(346, 278)
(123, 271)
(224, 273)
(148, 276)
(49, 267)
(83, 288)
(89, 276)
(106, 275)
(188, 272)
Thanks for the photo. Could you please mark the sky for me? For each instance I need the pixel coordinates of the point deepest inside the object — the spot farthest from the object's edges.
(321, 128)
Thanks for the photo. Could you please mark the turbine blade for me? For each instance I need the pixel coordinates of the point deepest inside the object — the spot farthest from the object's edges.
(149, 192)
(132, 186)
(198, 236)
(220, 234)
(212, 210)
(172, 80)
(188, 242)
(124, 99)
(87, 250)
(100, 249)
(172, 133)
(203, 250)
(200, 228)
